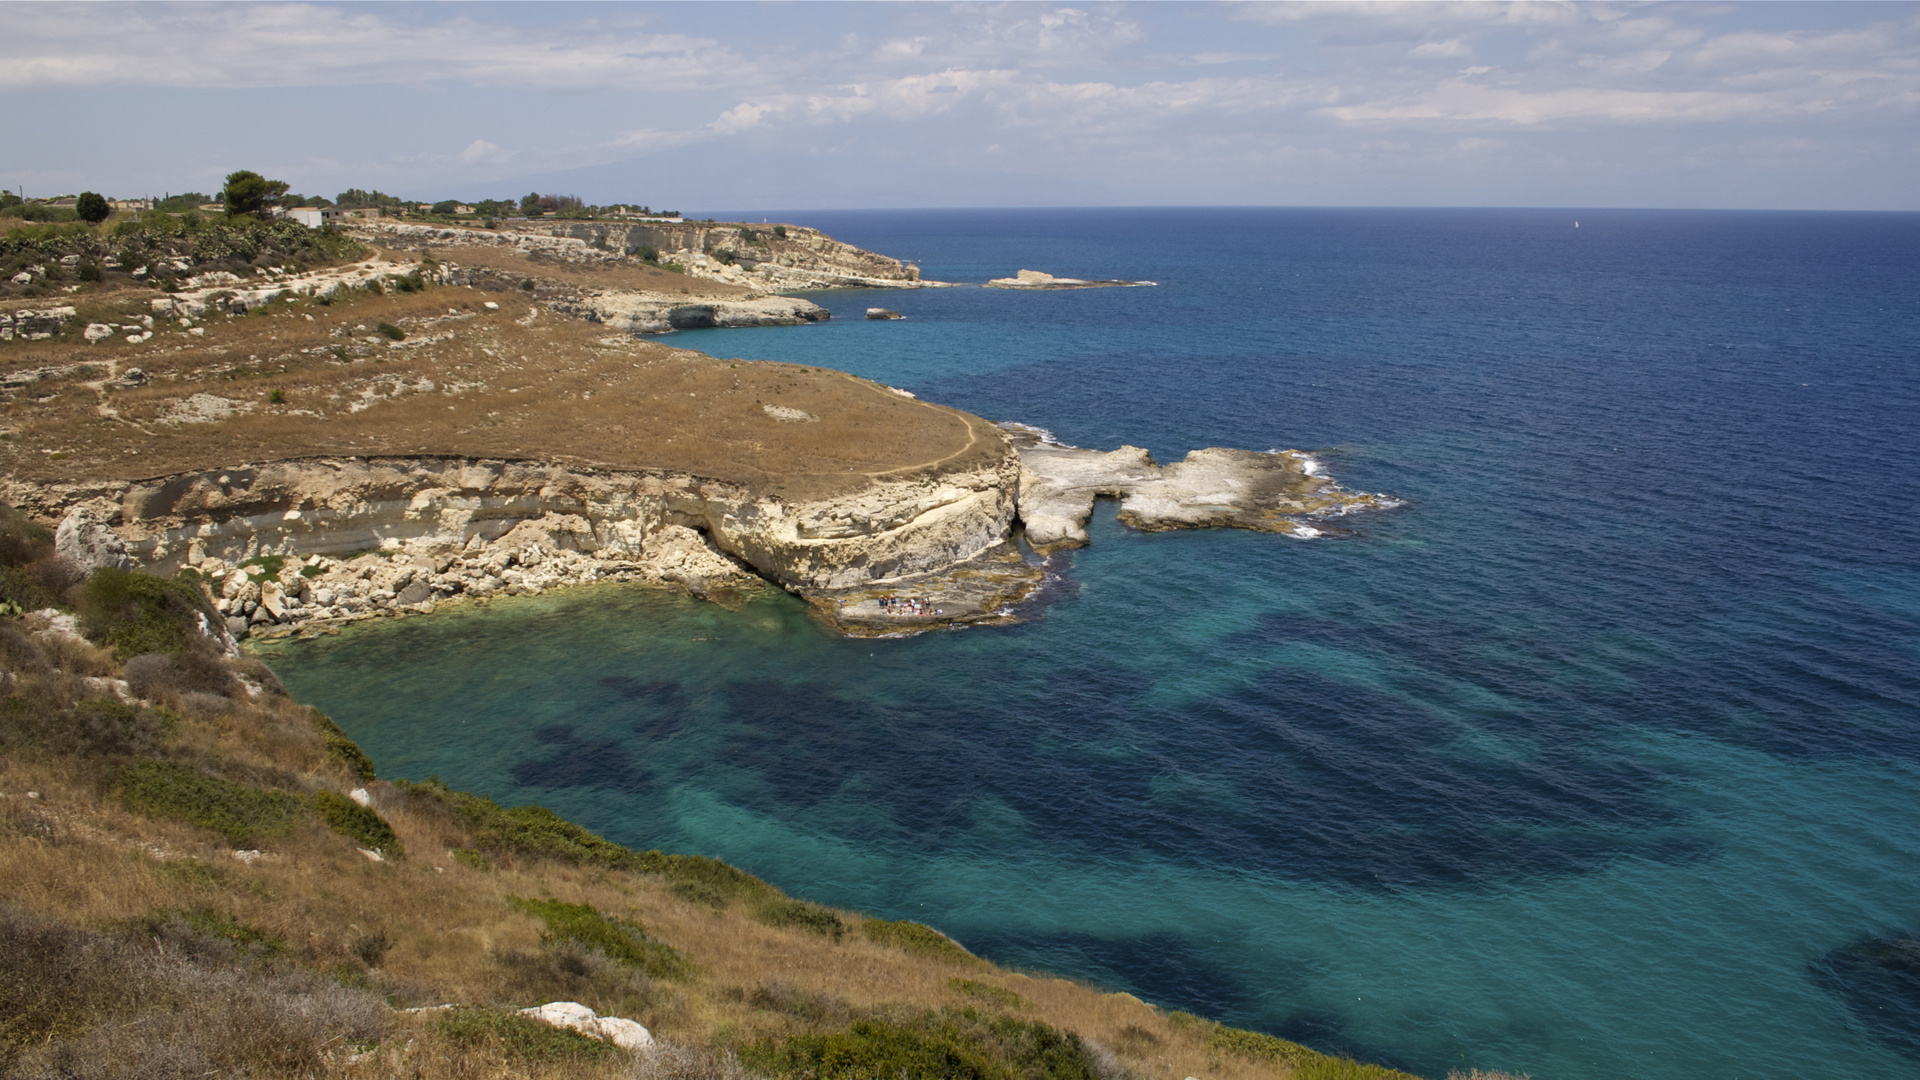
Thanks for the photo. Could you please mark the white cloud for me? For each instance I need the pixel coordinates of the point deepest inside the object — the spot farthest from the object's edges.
(1450, 48)
(267, 45)
(482, 152)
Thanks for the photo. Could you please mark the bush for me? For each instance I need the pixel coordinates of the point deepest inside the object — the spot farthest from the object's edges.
(959, 1045)
(987, 992)
(93, 209)
(391, 332)
(916, 938)
(780, 231)
(155, 675)
(648, 253)
(340, 748)
(140, 613)
(787, 912)
(541, 833)
(191, 929)
(238, 812)
(620, 940)
(97, 728)
(111, 1006)
(358, 823)
(1305, 1062)
(519, 1037)
(21, 540)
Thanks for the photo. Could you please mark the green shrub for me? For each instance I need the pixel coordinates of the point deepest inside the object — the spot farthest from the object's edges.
(916, 938)
(521, 1038)
(358, 823)
(621, 940)
(785, 911)
(391, 332)
(780, 231)
(648, 253)
(270, 565)
(539, 832)
(22, 541)
(987, 992)
(96, 728)
(957, 1045)
(527, 285)
(1305, 1062)
(472, 859)
(238, 812)
(140, 613)
(340, 748)
(207, 924)
(407, 283)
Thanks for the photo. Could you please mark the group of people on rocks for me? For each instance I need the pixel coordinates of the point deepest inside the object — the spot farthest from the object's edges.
(909, 605)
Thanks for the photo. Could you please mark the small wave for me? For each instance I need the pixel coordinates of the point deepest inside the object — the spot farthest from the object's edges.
(1306, 532)
(1044, 436)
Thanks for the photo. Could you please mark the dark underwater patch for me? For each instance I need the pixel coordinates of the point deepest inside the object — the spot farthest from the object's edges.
(579, 763)
(1879, 981)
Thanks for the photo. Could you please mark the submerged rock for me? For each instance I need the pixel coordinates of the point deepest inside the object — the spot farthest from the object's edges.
(880, 313)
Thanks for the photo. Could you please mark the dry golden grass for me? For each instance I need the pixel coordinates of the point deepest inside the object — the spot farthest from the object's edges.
(521, 383)
(513, 267)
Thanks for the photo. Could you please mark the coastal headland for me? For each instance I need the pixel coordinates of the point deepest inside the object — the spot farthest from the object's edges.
(206, 874)
(484, 416)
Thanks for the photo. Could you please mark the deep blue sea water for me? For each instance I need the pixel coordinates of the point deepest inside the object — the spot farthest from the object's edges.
(1587, 762)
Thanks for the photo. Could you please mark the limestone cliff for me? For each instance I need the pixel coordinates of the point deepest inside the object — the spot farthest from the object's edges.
(750, 256)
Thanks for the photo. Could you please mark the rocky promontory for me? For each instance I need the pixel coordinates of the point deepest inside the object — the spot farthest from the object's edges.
(1279, 491)
(407, 429)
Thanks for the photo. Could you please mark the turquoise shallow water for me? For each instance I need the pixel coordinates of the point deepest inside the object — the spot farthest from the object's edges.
(1584, 763)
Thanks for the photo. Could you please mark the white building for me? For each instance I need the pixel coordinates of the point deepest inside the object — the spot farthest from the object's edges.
(313, 216)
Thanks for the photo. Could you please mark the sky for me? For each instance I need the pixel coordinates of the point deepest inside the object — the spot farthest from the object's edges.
(698, 106)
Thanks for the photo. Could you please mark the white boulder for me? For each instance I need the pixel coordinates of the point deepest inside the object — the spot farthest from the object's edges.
(625, 1034)
(89, 542)
(97, 332)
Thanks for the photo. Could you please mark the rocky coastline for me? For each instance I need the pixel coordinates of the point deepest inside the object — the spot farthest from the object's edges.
(303, 546)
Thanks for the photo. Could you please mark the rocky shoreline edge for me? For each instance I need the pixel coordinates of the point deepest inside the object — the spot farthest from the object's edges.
(305, 547)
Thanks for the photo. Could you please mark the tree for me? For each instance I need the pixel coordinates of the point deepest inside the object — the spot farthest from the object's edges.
(445, 206)
(530, 203)
(250, 193)
(92, 208)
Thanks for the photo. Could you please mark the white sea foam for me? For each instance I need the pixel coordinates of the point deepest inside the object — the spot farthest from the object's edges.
(1042, 434)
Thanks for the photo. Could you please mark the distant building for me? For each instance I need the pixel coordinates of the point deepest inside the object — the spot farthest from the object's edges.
(462, 208)
(131, 204)
(213, 206)
(313, 216)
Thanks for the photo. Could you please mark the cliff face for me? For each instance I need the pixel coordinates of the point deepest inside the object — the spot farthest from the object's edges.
(753, 257)
(472, 527)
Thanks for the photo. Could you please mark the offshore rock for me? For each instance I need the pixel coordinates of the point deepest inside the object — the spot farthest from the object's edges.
(1035, 279)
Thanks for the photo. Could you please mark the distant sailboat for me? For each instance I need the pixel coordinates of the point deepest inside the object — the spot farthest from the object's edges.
(1576, 224)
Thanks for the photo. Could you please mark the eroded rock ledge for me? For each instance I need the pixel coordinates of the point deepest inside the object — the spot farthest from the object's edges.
(304, 545)
(1279, 491)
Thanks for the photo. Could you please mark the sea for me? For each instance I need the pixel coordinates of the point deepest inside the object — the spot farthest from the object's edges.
(1598, 757)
